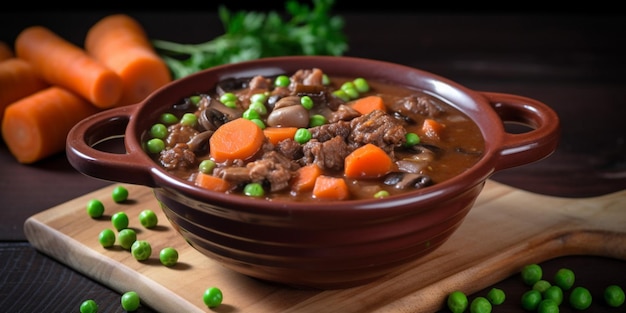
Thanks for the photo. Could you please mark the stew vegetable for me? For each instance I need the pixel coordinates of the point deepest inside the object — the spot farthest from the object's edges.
(312, 136)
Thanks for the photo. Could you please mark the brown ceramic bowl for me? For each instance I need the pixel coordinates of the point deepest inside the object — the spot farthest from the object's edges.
(330, 245)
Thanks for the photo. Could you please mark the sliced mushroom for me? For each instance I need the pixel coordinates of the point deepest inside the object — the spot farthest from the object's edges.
(402, 180)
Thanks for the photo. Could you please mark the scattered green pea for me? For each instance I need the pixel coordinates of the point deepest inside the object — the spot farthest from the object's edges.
(148, 218)
(361, 85)
(531, 273)
(250, 114)
(259, 107)
(168, 119)
(614, 296)
(341, 94)
(530, 299)
(411, 139)
(496, 296)
(302, 135)
(306, 102)
(120, 221)
(564, 278)
(258, 97)
(158, 130)
(254, 190)
(130, 301)
(351, 92)
(207, 166)
(230, 104)
(195, 100)
(106, 238)
(555, 293)
(457, 301)
(228, 97)
(381, 194)
(141, 250)
(580, 298)
(282, 81)
(212, 297)
(541, 285)
(89, 306)
(480, 305)
(168, 256)
(95, 208)
(317, 120)
(258, 122)
(155, 145)
(189, 119)
(119, 194)
(548, 306)
(126, 238)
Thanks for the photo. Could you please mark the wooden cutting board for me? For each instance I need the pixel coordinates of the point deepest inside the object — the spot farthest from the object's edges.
(505, 230)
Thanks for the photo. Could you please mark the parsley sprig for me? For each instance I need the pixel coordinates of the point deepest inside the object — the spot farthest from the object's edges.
(251, 35)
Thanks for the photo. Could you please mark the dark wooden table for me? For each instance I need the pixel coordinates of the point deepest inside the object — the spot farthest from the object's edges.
(572, 62)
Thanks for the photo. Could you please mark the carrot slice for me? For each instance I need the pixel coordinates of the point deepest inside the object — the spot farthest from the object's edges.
(278, 134)
(367, 161)
(368, 104)
(305, 177)
(5, 51)
(36, 126)
(18, 79)
(120, 42)
(330, 188)
(211, 182)
(64, 64)
(432, 129)
(237, 139)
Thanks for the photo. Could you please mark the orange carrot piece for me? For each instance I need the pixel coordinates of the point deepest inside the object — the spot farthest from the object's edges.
(18, 79)
(237, 139)
(305, 177)
(5, 51)
(278, 134)
(368, 104)
(64, 64)
(120, 42)
(432, 129)
(211, 182)
(36, 126)
(367, 161)
(330, 188)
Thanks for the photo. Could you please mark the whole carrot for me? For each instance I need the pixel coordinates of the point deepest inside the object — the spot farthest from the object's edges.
(18, 79)
(120, 42)
(64, 64)
(5, 51)
(36, 126)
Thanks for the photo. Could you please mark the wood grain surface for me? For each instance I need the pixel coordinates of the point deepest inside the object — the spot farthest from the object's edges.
(506, 229)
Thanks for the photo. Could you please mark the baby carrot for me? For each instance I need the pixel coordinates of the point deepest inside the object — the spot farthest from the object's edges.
(367, 161)
(5, 51)
(432, 129)
(238, 139)
(120, 42)
(18, 79)
(36, 126)
(277, 134)
(330, 188)
(305, 177)
(368, 104)
(211, 182)
(64, 64)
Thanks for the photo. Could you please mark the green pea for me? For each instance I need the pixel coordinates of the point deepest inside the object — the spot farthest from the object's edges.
(580, 298)
(258, 97)
(158, 130)
(352, 93)
(95, 208)
(282, 81)
(189, 119)
(496, 296)
(531, 273)
(381, 194)
(530, 299)
(614, 296)
(168, 119)
(89, 306)
(148, 218)
(361, 85)
(119, 194)
(259, 107)
(107, 238)
(207, 166)
(119, 221)
(306, 102)
(258, 122)
(564, 278)
(541, 285)
(230, 104)
(325, 80)
(228, 97)
(212, 297)
(168, 256)
(130, 301)
(141, 250)
(195, 100)
(412, 139)
(302, 135)
(155, 145)
(254, 190)
(341, 94)
(457, 301)
(126, 238)
(251, 114)
(480, 305)
(317, 120)
(548, 306)
(555, 293)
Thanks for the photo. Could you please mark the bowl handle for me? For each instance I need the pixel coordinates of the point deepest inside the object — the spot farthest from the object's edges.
(83, 154)
(526, 147)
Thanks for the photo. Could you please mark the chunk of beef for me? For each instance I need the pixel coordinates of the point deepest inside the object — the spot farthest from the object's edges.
(329, 154)
(310, 77)
(290, 148)
(416, 107)
(179, 133)
(329, 131)
(179, 157)
(377, 128)
(343, 113)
